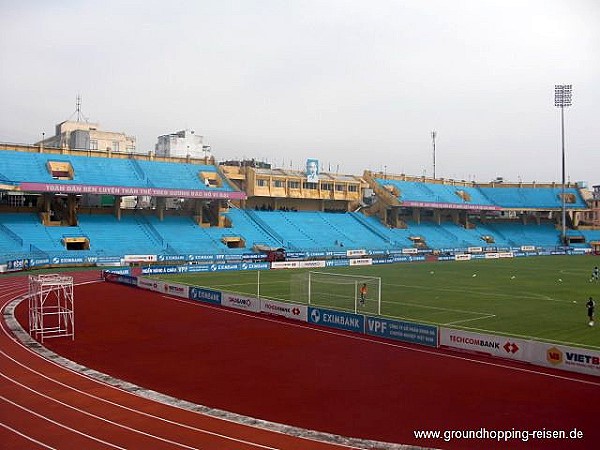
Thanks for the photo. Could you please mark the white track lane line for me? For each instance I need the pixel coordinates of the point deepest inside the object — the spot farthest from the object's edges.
(58, 424)
(200, 430)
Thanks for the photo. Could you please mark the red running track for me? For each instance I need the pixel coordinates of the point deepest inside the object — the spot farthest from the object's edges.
(46, 406)
(317, 379)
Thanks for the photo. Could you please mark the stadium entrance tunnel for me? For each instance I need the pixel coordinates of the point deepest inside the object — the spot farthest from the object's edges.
(234, 241)
(76, 243)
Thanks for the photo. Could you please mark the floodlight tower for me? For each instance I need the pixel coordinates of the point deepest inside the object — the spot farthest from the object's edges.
(433, 136)
(562, 100)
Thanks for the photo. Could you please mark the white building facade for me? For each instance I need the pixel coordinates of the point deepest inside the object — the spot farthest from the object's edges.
(181, 144)
(88, 136)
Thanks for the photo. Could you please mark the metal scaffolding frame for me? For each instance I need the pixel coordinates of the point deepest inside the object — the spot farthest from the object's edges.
(51, 306)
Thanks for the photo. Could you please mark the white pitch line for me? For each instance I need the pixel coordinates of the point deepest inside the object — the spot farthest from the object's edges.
(479, 292)
(439, 308)
(488, 316)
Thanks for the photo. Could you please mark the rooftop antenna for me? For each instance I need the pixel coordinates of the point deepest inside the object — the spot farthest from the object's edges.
(78, 110)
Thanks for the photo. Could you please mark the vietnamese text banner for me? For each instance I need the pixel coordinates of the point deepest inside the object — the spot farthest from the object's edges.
(130, 190)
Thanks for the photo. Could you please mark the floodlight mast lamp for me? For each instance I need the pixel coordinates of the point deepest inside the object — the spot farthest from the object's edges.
(562, 99)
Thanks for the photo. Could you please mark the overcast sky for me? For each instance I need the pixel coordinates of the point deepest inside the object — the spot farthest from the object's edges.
(358, 85)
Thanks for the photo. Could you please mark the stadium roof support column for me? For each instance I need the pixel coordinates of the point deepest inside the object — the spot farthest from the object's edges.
(455, 214)
(117, 207)
(464, 219)
(161, 204)
(417, 215)
(72, 209)
(47, 200)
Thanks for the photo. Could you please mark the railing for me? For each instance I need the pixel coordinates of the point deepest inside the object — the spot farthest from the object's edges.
(38, 251)
(151, 229)
(170, 250)
(10, 233)
(364, 222)
(138, 169)
(267, 229)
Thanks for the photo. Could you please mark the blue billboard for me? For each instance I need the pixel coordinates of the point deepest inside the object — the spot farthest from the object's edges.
(336, 319)
(205, 295)
(413, 333)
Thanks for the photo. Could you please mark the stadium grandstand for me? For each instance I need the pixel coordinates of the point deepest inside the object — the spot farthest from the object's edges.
(66, 206)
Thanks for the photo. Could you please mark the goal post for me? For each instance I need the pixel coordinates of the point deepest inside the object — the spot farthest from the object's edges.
(356, 293)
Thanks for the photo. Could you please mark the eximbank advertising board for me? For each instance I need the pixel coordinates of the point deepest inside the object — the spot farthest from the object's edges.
(336, 319)
(398, 330)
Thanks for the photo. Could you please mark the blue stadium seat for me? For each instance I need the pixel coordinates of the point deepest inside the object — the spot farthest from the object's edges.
(19, 167)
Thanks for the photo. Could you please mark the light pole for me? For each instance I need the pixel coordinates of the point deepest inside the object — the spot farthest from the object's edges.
(433, 135)
(562, 99)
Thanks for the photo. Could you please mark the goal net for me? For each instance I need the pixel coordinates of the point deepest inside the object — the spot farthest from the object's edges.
(356, 293)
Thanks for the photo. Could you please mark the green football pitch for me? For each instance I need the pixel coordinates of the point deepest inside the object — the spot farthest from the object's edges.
(536, 297)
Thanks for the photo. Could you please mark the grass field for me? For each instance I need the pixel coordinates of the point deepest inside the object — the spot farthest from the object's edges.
(537, 297)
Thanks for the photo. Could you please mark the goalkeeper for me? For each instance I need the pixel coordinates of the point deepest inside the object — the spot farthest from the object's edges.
(363, 294)
(591, 306)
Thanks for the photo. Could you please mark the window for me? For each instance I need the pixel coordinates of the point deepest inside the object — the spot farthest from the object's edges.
(340, 188)
(293, 184)
(262, 182)
(307, 185)
(115, 146)
(327, 186)
(279, 183)
(352, 188)
(93, 144)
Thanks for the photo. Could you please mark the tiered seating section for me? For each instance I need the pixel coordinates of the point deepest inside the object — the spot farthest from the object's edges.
(22, 234)
(503, 197)
(18, 167)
